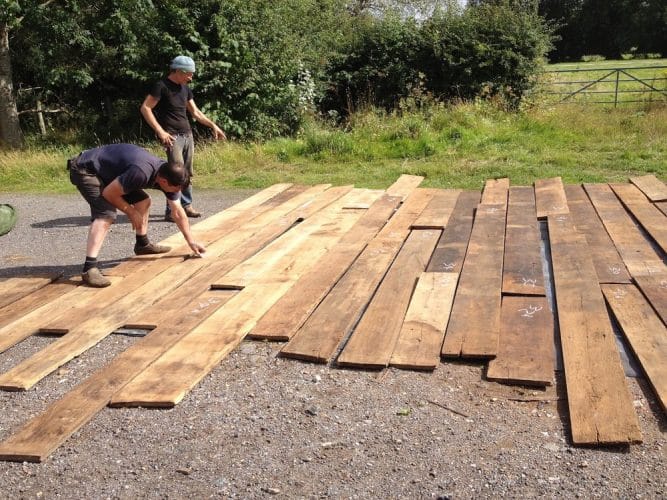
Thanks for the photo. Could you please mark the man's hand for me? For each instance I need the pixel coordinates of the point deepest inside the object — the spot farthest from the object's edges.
(166, 139)
(197, 249)
(218, 133)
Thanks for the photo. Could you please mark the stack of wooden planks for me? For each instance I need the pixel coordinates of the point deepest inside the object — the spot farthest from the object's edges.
(407, 277)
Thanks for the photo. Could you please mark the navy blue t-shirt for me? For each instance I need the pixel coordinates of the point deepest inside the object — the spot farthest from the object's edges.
(134, 167)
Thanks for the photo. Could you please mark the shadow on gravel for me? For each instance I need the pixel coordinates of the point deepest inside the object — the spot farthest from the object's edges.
(63, 222)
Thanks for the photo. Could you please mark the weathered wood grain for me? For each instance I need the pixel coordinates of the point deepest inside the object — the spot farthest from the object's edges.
(550, 197)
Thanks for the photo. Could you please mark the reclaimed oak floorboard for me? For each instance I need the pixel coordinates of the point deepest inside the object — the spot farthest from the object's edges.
(15, 288)
(651, 219)
(654, 287)
(495, 192)
(522, 264)
(645, 332)
(451, 249)
(191, 358)
(319, 337)
(608, 263)
(290, 312)
(474, 323)
(635, 249)
(651, 186)
(423, 329)
(550, 197)
(42, 434)
(600, 407)
(526, 349)
(372, 341)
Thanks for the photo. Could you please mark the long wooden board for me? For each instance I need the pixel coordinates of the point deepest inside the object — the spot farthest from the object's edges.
(652, 220)
(35, 300)
(646, 334)
(437, 213)
(451, 249)
(179, 369)
(474, 324)
(522, 265)
(283, 320)
(639, 257)
(550, 197)
(218, 225)
(608, 263)
(41, 435)
(319, 337)
(599, 402)
(423, 329)
(651, 186)
(662, 206)
(526, 348)
(654, 287)
(404, 185)
(495, 192)
(373, 340)
(15, 288)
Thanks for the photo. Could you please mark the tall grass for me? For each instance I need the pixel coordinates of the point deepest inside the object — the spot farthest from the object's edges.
(451, 146)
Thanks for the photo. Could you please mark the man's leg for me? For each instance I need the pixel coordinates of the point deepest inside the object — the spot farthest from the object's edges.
(143, 246)
(97, 232)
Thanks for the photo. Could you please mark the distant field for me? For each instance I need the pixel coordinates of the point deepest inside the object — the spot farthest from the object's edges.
(630, 82)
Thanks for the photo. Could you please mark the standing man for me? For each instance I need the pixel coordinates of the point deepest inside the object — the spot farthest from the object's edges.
(113, 178)
(165, 110)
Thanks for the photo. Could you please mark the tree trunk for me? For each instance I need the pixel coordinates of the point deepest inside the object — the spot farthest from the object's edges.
(10, 129)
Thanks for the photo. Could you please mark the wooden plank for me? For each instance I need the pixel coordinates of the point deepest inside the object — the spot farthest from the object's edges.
(404, 186)
(651, 186)
(283, 320)
(522, 266)
(179, 369)
(437, 212)
(451, 250)
(609, 265)
(15, 288)
(495, 192)
(645, 332)
(16, 310)
(423, 328)
(373, 340)
(474, 324)
(638, 255)
(599, 402)
(240, 245)
(260, 263)
(61, 323)
(654, 287)
(652, 220)
(662, 206)
(365, 200)
(217, 226)
(319, 337)
(526, 347)
(15, 331)
(42, 434)
(550, 197)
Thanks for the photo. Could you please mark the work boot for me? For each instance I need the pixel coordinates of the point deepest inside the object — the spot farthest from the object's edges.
(150, 249)
(93, 277)
(191, 212)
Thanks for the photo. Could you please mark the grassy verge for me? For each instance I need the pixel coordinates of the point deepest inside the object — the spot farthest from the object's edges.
(460, 146)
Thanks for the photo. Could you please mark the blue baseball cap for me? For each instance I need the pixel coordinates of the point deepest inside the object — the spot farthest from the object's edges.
(184, 63)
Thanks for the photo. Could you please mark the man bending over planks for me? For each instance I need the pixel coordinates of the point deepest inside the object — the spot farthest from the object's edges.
(114, 177)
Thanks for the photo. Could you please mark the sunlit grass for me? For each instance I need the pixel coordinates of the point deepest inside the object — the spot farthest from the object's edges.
(451, 146)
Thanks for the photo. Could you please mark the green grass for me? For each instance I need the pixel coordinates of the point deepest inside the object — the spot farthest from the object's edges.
(459, 146)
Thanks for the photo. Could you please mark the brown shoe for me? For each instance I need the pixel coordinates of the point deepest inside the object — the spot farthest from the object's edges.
(150, 249)
(191, 212)
(93, 277)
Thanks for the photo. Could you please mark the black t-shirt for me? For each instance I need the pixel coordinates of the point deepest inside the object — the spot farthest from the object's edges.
(171, 109)
(134, 167)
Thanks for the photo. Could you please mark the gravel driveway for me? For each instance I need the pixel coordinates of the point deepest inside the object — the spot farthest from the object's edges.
(261, 426)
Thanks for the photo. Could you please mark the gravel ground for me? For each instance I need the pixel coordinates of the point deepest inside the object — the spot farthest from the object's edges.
(261, 426)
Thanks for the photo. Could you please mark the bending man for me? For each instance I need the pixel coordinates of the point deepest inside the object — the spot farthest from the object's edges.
(113, 178)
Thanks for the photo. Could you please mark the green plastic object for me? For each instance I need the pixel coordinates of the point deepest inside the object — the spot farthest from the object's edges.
(7, 218)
